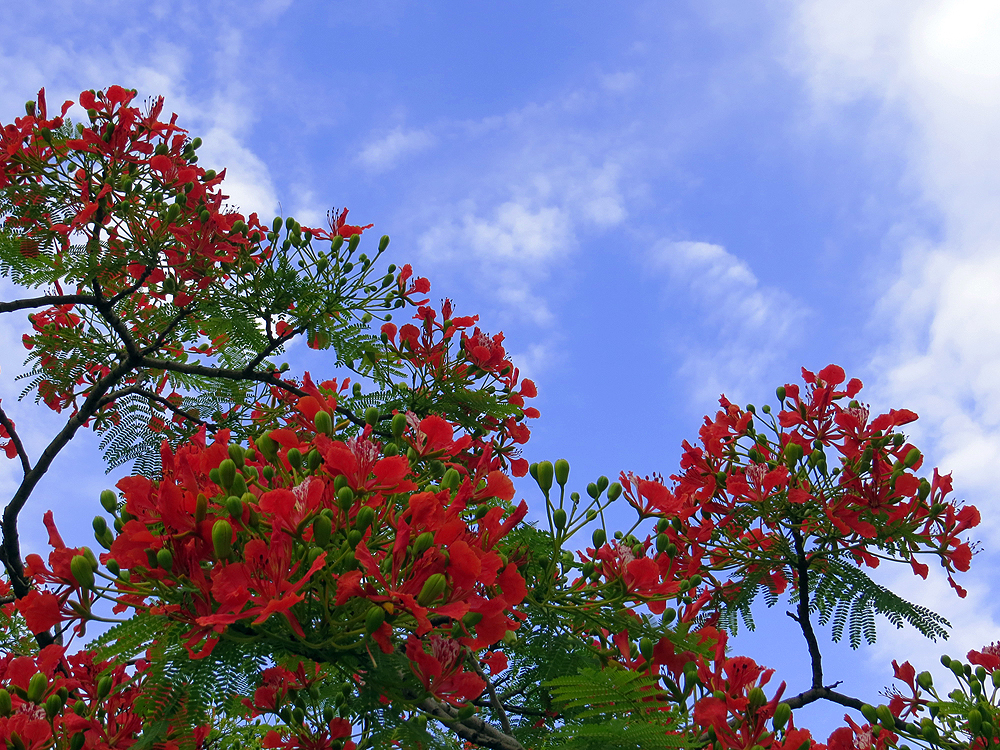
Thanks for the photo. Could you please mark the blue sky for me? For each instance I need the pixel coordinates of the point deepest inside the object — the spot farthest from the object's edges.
(655, 201)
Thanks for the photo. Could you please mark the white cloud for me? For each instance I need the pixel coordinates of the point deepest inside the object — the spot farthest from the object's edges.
(385, 152)
(932, 68)
(741, 326)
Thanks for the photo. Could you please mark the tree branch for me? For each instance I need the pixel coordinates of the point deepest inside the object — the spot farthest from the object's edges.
(494, 703)
(473, 729)
(12, 433)
(47, 301)
(802, 568)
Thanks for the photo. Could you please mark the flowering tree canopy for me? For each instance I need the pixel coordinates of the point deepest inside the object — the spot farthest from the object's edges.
(342, 562)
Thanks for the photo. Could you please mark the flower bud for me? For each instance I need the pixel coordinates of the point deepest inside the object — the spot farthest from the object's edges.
(423, 543)
(614, 491)
(372, 414)
(79, 566)
(782, 713)
(222, 539)
(364, 519)
(593, 491)
(925, 680)
(77, 741)
(885, 717)
(374, 619)
(53, 706)
(465, 712)
(599, 537)
(383, 243)
(237, 454)
(911, 458)
(975, 719)
(322, 527)
(100, 526)
(562, 471)
(37, 686)
(928, 730)
(757, 698)
(432, 589)
(868, 711)
(398, 425)
(662, 542)
(295, 458)
(324, 422)
(227, 473)
(646, 648)
(559, 519)
(165, 559)
(472, 619)
(6, 704)
(354, 538)
(200, 508)
(109, 501)
(668, 615)
(345, 498)
(780, 393)
(451, 479)
(545, 475)
(235, 507)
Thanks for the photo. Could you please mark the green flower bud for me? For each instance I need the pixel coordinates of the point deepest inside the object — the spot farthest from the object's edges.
(235, 507)
(614, 491)
(374, 619)
(782, 713)
(668, 615)
(780, 392)
(237, 454)
(295, 458)
(322, 528)
(598, 538)
(222, 539)
(757, 698)
(928, 730)
(423, 543)
(559, 519)
(398, 425)
(165, 559)
(100, 526)
(472, 619)
(79, 566)
(77, 741)
(885, 717)
(37, 686)
(227, 473)
(925, 680)
(6, 704)
(911, 458)
(365, 517)
(372, 415)
(109, 501)
(324, 422)
(432, 589)
(451, 479)
(354, 538)
(345, 498)
(53, 706)
(662, 542)
(946, 661)
(562, 471)
(465, 712)
(646, 648)
(545, 474)
(975, 719)
(200, 508)
(593, 491)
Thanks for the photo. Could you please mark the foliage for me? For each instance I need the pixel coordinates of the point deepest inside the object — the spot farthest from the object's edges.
(341, 563)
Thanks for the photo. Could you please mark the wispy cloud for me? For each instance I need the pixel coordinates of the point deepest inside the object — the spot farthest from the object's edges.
(930, 71)
(385, 152)
(735, 328)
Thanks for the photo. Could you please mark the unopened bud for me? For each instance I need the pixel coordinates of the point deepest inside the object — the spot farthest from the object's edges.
(614, 491)
(109, 501)
(559, 519)
(432, 589)
(222, 539)
(562, 472)
(545, 476)
(324, 422)
(80, 567)
(782, 713)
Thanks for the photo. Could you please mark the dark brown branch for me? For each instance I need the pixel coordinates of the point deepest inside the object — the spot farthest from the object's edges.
(802, 568)
(47, 301)
(16, 440)
(496, 704)
(823, 693)
(516, 710)
(473, 729)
